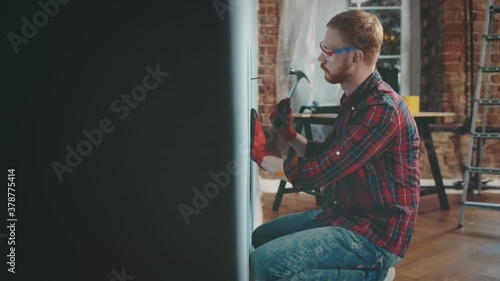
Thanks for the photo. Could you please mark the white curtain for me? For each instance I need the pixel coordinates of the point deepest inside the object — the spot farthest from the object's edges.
(302, 27)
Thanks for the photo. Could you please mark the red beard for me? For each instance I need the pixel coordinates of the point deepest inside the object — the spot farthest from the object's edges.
(337, 76)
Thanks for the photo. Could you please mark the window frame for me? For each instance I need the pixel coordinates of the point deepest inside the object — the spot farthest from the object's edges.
(409, 57)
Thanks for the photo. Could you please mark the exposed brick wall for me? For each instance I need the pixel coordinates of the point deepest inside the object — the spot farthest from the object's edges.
(492, 150)
(431, 55)
(268, 26)
(454, 57)
(446, 82)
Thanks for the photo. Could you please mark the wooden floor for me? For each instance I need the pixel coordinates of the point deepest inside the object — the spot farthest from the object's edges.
(439, 251)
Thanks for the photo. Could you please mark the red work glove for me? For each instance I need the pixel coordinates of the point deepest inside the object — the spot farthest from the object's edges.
(257, 139)
(282, 120)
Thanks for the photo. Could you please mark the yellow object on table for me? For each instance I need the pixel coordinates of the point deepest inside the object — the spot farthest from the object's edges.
(279, 173)
(413, 103)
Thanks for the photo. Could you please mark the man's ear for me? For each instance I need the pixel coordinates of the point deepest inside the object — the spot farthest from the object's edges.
(358, 56)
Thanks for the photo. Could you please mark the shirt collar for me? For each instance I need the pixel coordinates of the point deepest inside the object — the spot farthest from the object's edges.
(362, 91)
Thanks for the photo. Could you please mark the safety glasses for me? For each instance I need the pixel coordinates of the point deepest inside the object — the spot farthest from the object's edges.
(330, 54)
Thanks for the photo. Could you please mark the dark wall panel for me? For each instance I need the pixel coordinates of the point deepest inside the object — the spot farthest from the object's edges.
(68, 96)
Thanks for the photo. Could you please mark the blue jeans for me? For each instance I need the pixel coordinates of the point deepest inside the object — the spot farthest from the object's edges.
(294, 247)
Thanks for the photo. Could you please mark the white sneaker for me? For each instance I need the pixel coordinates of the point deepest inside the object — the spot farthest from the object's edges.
(391, 273)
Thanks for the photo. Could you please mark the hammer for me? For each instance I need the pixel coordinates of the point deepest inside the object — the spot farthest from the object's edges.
(299, 75)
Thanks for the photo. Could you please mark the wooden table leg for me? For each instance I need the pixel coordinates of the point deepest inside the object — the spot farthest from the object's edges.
(281, 187)
(426, 137)
(279, 195)
(309, 136)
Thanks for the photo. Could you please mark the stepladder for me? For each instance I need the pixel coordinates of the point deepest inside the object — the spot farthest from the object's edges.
(482, 159)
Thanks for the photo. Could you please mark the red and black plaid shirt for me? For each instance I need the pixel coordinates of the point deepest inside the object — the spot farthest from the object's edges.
(368, 166)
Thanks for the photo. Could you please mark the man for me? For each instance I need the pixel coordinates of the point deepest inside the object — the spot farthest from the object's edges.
(368, 167)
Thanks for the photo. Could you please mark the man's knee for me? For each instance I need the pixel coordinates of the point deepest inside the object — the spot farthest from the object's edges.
(266, 265)
(258, 238)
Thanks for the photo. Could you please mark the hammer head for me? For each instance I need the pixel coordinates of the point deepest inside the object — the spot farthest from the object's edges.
(299, 74)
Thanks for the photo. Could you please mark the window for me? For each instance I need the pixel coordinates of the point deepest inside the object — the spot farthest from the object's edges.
(398, 61)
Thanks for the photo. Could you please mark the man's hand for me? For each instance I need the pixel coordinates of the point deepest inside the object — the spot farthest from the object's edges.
(258, 139)
(282, 120)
